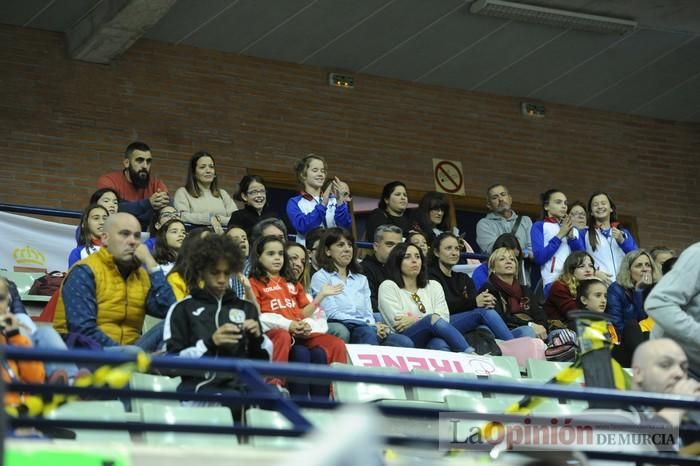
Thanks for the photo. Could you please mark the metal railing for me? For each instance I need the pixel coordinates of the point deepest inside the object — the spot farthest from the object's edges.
(67, 213)
(252, 374)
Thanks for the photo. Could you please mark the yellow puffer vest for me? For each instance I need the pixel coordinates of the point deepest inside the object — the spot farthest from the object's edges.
(121, 306)
(177, 283)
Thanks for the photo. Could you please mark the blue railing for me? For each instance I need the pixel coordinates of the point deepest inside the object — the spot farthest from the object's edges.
(48, 211)
(67, 213)
(252, 372)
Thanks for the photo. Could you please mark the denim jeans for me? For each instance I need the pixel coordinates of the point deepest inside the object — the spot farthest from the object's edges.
(302, 388)
(365, 334)
(398, 340)
(337, 329)
(152, 340)
(470, 320)
(149, 342)
(523, 331)
(45, 337)
(439, 335)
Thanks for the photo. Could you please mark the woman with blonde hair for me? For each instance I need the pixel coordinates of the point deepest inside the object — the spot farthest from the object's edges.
(638, 274)
(514, 301)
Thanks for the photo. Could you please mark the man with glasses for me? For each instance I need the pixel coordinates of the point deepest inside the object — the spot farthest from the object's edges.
(140, 194)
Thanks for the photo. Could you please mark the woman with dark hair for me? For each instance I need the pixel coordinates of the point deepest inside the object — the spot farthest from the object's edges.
(201, 201)
(462, 298)
(605, 240)
(315, 206)
(509, 241)
(168, 242)
(160, 218)
(418, 238)
(391, 210)
(415, 306)
(554, 237)
(299, 264)
(253, 194)
(432, 216)
(352, 307)
(107, 198)
(562, 295)
(90, 228)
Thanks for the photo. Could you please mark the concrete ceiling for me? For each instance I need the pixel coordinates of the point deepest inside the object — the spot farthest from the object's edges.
(652, 71)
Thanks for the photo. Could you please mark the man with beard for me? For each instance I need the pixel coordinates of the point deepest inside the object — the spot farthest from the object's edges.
(104, 298)
(139, 193)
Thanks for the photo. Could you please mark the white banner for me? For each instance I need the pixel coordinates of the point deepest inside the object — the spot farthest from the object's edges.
(30, 242)
(407, 359)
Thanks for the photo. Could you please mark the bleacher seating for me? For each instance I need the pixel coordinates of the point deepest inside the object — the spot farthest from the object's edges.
(206, 415)
(155, 383)
(24, 282)
(96, 411)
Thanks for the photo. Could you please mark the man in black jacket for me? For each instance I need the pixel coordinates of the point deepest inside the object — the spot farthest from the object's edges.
(385, 238)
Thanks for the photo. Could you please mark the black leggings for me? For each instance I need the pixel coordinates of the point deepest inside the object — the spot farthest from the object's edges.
(632, 336)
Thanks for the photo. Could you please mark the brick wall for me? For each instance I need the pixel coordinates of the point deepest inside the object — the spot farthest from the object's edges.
(64, 122)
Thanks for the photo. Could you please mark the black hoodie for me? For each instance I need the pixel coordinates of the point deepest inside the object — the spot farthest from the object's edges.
(191, 323)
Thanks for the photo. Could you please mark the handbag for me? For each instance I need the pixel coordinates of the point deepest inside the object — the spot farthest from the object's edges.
(483, 342)
(47, 285)
(561, 345)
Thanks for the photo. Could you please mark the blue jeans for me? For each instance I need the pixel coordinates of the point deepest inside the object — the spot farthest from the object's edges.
(438, 335)
(302, 388)
(523, 331)
(398, 340)
(470, 320)
(337, 329)
(45, 337)
(152, 340)
(365, 334)
(149, 342)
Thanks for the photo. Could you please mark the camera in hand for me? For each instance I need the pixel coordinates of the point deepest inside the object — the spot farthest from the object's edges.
(237, 317)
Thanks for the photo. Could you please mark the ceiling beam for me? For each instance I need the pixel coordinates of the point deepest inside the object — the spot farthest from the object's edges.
(112, 27)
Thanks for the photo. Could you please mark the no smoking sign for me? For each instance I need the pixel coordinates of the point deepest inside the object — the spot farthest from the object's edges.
(449, 177)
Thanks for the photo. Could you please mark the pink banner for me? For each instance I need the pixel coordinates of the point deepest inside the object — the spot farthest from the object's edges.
(408, 359)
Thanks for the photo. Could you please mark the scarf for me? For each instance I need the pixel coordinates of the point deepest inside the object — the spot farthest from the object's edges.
(517, 303)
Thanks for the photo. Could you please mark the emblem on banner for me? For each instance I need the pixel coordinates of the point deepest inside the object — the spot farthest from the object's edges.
(29, 255)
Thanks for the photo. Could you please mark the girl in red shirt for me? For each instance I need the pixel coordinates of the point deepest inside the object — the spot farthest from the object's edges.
(285, 309)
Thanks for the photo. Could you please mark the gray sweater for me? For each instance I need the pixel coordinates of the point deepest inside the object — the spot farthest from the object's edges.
(674, 304)
(492, 226)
